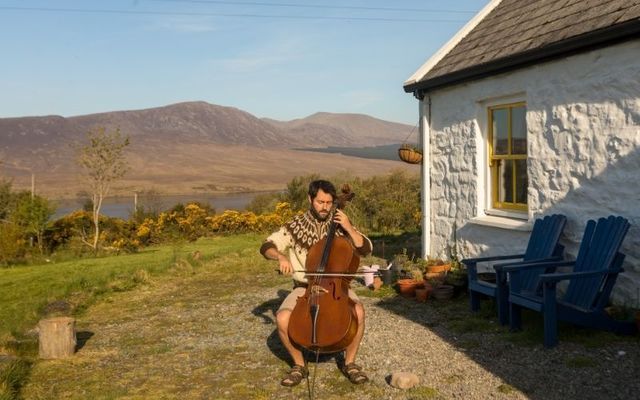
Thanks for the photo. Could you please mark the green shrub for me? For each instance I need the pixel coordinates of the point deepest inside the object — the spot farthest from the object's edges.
(12, 244)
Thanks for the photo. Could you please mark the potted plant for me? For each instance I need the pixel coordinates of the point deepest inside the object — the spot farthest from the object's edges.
(457, 274)
(423, 292)
(417, 276)
(400, 259)
(423, 288)
(436, 271)
(410, 154)
(442, 291)
(410, 280)
(407, 287)
(436, 268)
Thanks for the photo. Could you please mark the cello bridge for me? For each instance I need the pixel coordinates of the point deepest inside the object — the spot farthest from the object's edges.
(317, 289)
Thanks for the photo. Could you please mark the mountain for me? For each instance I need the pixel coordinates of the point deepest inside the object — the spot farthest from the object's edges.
(347, 130)
(193, 146)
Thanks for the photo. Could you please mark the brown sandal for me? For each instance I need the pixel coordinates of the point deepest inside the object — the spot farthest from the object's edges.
(295, 376)
(354, 373)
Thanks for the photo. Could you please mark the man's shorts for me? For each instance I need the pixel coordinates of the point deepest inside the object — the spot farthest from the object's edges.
(290, 301)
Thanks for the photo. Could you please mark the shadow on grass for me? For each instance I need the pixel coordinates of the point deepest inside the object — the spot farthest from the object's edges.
(82, 337)
(267, 312)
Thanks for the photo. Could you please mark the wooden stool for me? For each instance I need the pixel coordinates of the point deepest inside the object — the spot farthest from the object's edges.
(57, 337)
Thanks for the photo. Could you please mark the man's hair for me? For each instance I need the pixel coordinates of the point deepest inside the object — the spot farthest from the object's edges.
(326, 187)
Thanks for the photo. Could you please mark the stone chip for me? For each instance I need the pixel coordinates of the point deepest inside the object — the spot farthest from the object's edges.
(404, 380)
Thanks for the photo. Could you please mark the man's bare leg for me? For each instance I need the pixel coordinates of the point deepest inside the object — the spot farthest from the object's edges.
(352, 349)
(282, 320)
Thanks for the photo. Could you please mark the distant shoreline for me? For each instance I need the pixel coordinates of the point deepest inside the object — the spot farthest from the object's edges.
(121, 195)
(123, 206)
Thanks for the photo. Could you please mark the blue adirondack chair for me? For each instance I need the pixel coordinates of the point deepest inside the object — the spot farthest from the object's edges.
(543, 246)
(590, 283)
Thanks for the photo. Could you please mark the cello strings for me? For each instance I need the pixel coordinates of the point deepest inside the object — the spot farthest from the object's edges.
(340, 274)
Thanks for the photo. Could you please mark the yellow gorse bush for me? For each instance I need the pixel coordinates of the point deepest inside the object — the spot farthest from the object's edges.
(193, 222)
(231, 221)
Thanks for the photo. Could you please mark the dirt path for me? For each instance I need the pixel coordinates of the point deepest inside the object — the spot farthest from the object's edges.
(210, 334)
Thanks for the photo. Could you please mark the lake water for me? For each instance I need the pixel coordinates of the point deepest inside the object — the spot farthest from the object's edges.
(122, 207)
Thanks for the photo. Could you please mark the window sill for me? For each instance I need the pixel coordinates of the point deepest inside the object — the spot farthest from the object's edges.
(514, 224)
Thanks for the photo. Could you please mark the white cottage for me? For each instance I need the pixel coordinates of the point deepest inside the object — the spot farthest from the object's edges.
(533, 108)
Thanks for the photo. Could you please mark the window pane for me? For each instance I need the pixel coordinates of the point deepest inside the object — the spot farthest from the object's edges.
(505, 181)
(522, 182)
(518, 130)
(500, 131)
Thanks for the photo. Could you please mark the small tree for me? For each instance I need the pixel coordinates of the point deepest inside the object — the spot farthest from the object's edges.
(12, 245)
(32, 214)
(103, 161)
(5, 198)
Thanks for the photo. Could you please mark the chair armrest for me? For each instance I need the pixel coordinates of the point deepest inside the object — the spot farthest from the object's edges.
(502, 266)
(471, 263)
(545, 264)
(503, 269)
(493, 258)
(577, 275)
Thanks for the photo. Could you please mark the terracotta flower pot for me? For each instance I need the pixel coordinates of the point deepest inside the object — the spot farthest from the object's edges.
(422, 293)
(407, 287)
(377, 283)
(438, 272)
(439, 268)
(439, 276)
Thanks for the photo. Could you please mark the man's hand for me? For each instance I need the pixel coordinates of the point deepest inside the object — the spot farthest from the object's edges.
(341, 218)
(285, 265)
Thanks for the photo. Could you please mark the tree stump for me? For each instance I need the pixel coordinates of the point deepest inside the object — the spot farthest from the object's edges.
(57, 337)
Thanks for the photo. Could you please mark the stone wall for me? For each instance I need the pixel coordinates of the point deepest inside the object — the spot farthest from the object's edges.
(583, 121)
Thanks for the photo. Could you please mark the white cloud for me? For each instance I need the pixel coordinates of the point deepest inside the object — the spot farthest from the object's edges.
(258, 59)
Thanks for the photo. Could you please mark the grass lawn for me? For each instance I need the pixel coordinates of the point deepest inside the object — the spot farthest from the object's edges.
(28, 292)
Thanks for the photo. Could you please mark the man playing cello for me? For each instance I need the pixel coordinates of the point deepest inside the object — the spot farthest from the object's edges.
(289, 246)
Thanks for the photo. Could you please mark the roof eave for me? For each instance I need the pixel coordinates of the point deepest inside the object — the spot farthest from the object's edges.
(596, 39)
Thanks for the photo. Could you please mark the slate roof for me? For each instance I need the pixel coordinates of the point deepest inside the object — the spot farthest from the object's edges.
(517, 33)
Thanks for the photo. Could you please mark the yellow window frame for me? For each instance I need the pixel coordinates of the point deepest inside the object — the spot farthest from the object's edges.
(495, 159)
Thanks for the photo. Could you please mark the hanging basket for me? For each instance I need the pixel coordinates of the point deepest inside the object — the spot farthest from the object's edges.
(410, 155)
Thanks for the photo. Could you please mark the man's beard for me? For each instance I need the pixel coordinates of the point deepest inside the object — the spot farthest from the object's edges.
(317, 215)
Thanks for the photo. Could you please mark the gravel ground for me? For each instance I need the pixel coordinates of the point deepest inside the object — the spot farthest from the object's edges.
(218, 341)
(462, 363)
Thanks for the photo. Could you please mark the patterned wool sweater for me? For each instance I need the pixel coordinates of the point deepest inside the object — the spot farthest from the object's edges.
(295, 238)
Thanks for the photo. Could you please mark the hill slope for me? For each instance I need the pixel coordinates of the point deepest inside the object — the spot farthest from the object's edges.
(194, 146)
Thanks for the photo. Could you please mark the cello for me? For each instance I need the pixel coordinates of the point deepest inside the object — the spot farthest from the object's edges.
(324, 318)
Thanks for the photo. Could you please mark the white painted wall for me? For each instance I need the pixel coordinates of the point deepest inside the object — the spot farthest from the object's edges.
(583, 121)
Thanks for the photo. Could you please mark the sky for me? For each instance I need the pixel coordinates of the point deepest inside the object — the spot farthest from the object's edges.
(280, 59)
